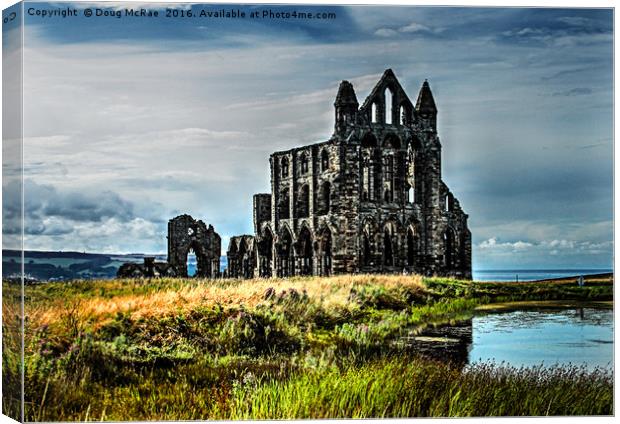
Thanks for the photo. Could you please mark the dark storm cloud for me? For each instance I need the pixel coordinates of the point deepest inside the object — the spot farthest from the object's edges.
(11, 210)
(43, 202)
(47, 201)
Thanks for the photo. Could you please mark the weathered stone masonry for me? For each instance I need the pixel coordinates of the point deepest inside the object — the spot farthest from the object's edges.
(185, 235)
(370, 199)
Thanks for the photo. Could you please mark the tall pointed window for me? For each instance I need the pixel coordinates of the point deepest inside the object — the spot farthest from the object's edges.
(388, 255)
(401, 115)
(304, 164)
(324, 160)
(284, 167)
(366, 252)
(303, 202)
(324, 199)
(388, 106)
(284, 204)
(412, 245)
(388, 182)
(373, 110)
(365, 179)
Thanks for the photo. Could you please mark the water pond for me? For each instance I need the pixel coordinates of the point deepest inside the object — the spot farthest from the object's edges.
(580, 335)
(523, 336)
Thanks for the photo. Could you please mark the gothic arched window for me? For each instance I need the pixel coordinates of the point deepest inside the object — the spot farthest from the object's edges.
(284, 167)
(303, 205)
(325, 198)
(324, 160)
(411, 195)
(304, 164)
(284, 204)
(387, 94)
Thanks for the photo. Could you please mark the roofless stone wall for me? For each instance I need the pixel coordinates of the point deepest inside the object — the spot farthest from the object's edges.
(369, 199)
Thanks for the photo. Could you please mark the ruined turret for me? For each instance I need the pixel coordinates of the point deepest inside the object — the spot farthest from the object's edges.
(425, 107)
(346, 107)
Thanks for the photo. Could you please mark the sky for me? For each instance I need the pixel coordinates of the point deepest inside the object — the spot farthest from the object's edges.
(129, 122)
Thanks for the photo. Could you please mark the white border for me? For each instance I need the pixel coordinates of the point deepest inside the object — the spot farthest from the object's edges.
(480, 3)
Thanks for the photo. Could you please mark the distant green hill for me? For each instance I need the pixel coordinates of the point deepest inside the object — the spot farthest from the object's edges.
(64, 265)
(45, 266)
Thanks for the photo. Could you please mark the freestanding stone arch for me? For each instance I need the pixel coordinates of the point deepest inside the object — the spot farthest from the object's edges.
(185, 234)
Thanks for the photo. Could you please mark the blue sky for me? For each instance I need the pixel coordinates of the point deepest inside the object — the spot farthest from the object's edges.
(131, 121)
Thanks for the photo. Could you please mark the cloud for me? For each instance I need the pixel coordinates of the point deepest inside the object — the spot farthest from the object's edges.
(47, 201)
(578, 21)
(577, 91)
(60, 219)
(414, 27)
(493, 244)
(572, 73)
(189, 128)
(410, 28)
(546, 253)
(553, 37)
(385, 32)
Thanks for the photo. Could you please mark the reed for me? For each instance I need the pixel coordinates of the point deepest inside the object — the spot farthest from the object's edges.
(405, 387)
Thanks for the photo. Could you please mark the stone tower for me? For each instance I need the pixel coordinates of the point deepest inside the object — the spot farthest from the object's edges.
(370, 199)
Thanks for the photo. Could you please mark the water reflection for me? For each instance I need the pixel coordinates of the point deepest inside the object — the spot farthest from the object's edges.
(448, 342)
(580, 336)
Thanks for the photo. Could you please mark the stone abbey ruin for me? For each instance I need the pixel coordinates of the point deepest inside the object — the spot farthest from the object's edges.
(368, 200)
(185, 235)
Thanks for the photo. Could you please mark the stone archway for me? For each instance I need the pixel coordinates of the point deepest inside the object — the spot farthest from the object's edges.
(242, 255)
(203, 264)
(413, 247)
(265, 254)
(305, 252)
(325, 252)
(388, 249)
(284, 248)
(185, 234)
(366, 250)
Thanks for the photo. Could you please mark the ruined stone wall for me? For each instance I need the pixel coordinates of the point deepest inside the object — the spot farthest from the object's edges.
(242, 256)
(370, 199)
(261, 209)
(370, 222)
(185, 234)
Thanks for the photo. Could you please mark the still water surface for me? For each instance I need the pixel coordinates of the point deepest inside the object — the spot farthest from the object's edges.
(532, 274)
(553, 336)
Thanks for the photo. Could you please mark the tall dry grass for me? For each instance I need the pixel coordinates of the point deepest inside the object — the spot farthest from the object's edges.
(185, 295)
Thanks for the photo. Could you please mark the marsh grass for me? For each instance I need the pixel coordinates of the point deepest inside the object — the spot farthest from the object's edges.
(195, 349)
(406, 387)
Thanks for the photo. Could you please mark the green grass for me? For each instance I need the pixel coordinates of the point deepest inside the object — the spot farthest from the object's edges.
(405, 387)
(175, 349)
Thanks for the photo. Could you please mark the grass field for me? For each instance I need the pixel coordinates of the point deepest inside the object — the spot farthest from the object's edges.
(279, 348)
